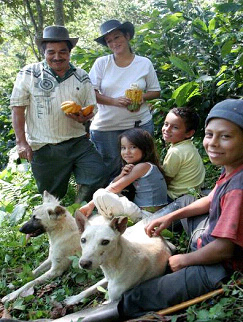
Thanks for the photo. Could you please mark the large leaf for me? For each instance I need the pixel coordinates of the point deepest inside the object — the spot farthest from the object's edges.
(183, 93)
(226, 48)
(18, 213)
(228, 7)
(181, 64)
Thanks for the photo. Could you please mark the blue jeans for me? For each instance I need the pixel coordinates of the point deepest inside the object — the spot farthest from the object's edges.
(106, 143)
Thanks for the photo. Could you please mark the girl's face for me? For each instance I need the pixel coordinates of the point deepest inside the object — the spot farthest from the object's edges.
(117, 41)
(174, 129)
(130, 153)
(223, 144)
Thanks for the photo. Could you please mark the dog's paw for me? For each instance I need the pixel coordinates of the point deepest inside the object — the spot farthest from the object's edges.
(10, 297)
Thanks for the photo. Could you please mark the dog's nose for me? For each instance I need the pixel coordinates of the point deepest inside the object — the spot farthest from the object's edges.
(86, 264)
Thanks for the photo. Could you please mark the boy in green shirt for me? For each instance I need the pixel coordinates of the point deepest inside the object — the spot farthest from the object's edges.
(183, 166)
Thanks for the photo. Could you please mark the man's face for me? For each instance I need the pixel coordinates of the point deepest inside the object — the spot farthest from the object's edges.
(57, 56)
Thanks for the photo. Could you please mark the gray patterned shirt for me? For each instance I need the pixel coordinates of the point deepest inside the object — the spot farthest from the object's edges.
(41, 91)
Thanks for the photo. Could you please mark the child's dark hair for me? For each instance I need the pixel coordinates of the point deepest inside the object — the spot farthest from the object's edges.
(145, 142)
(189, 116)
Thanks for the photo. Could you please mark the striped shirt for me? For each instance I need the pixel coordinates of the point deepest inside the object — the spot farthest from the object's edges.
(41, 91)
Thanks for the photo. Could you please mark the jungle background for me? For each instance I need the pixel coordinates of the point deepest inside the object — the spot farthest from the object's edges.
(196, 49)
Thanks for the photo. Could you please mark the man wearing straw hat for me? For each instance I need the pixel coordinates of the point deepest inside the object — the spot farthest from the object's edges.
(54, 143)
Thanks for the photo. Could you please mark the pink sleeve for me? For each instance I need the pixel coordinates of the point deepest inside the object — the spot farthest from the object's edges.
(230, 223)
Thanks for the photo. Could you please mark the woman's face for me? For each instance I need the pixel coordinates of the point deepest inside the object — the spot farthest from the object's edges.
(117, 42)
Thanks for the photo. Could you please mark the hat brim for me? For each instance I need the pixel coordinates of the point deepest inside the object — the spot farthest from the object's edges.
(127, 26)
(39, 41)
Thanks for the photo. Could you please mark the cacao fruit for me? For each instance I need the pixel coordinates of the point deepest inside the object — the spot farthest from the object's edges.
(135, 94)
(87, 110)
(70, 107)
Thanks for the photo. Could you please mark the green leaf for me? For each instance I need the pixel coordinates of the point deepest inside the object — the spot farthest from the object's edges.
(212, 24)
(184, 92)
(18, 213)
(167, 233)
(203, 315)
(18, 305)
(101, 289)
(179, 63)
(226, 48)
(228, 7)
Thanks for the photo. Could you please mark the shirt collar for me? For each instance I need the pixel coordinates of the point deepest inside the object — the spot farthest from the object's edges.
(69, 72)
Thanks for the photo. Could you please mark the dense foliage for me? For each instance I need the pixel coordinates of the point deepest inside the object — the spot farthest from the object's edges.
(197, 52)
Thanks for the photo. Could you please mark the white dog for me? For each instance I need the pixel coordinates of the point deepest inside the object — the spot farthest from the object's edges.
(64, 239)
(126, 259)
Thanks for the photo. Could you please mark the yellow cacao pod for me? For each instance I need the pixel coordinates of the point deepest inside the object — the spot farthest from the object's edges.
(87, 110)
(136, 96)
(70, 107)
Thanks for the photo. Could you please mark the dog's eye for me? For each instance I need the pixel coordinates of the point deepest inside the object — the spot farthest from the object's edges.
(83, 240)
(105, 242)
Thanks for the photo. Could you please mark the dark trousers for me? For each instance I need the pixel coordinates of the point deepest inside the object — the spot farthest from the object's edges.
(53, 165)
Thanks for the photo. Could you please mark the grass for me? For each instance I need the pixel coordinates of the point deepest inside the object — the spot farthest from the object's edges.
(18, 258)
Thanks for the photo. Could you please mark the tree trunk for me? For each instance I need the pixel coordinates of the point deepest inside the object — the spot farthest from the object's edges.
(59, 14)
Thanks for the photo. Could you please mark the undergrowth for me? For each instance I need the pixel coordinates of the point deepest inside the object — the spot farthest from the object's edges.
(18, 196)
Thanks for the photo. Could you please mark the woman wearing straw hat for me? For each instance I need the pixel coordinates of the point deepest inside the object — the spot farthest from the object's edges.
(111, 75)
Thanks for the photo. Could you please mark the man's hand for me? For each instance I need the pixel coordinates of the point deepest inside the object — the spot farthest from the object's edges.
(79, 117)
(24, 151)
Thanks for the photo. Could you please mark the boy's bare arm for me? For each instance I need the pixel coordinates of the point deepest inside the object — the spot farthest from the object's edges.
(215, 252)
(198, 207)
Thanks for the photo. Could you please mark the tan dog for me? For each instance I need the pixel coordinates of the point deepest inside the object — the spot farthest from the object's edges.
(64, 240)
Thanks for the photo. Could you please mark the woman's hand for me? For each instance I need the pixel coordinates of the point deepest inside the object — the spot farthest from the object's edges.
(121, 101)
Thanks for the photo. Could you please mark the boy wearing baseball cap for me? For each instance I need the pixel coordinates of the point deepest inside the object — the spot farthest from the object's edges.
(214, 224)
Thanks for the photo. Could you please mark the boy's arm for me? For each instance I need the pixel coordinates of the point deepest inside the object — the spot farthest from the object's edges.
(198, 207)
(217, 251)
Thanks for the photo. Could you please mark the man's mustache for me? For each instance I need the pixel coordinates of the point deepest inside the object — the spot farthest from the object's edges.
(58, 60)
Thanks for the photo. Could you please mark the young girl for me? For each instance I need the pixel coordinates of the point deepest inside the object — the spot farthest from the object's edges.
(142, 169)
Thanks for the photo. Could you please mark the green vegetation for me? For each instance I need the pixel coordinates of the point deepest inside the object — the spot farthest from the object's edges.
(197, 52)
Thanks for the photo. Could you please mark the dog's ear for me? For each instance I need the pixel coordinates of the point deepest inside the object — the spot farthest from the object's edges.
(81, 220)
(119, 224)
(57, 212)
(48, 198)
